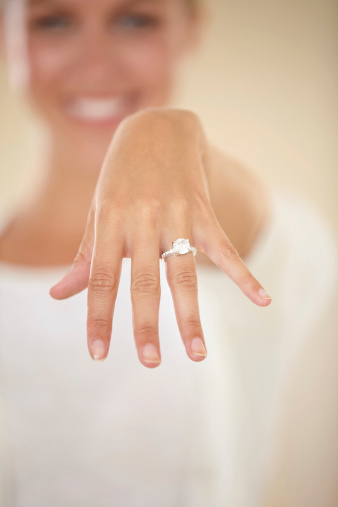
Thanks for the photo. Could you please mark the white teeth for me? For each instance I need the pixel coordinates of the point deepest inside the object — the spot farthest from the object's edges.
(97, 109)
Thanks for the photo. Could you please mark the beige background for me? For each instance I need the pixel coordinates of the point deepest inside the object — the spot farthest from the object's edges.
(265, 86)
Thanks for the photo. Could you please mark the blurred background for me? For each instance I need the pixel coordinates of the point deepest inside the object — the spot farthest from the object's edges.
(264, 84)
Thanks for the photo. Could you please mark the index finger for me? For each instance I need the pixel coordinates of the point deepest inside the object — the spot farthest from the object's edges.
(104, 279)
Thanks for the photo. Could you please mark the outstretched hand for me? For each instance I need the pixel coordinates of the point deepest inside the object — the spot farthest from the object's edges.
(152, 190)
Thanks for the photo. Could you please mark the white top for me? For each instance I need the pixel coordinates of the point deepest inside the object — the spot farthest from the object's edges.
(185, 434)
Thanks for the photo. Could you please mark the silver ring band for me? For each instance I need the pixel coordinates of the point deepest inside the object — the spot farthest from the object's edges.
(180, 247)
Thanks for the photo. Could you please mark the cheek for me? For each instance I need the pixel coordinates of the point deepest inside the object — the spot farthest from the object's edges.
(46, 64)
(46, 68)
(53, 67)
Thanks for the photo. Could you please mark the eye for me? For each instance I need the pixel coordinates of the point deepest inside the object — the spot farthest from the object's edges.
(136, 21)
(51, 22)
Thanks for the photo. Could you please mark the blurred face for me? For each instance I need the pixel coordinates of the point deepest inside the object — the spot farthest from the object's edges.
(87, 64)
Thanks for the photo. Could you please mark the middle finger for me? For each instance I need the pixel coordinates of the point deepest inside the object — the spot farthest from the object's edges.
(145, 292)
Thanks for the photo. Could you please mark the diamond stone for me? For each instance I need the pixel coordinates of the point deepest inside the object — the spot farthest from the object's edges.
(181, 246)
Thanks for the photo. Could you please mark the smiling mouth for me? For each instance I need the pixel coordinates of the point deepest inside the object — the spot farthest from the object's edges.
(99, 110)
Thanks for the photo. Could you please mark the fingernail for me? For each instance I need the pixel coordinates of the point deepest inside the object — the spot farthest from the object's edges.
(197, 347)
(150, 353)
(264, 294)
(98, 350)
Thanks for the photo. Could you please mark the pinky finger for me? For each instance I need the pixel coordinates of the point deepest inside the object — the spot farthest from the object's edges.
(222, 252)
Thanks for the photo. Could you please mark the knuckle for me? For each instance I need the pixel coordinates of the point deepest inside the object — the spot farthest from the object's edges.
(103, 281)
(146, 330)
(179, 209)
(192, 321)
(185, 279)
(147, 210)
(148, 206)
(98, 324)
(228, 251)
(145, 283)
(180, 206)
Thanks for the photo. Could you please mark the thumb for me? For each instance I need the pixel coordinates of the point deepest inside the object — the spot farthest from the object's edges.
(77, 278)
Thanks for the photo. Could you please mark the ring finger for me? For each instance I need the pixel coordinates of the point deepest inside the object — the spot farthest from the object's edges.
(182, 279)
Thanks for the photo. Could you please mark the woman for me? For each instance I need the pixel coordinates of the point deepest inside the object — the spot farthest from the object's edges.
(100, 74)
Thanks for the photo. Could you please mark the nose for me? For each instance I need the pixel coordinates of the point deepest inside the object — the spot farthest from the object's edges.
(97, 58)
